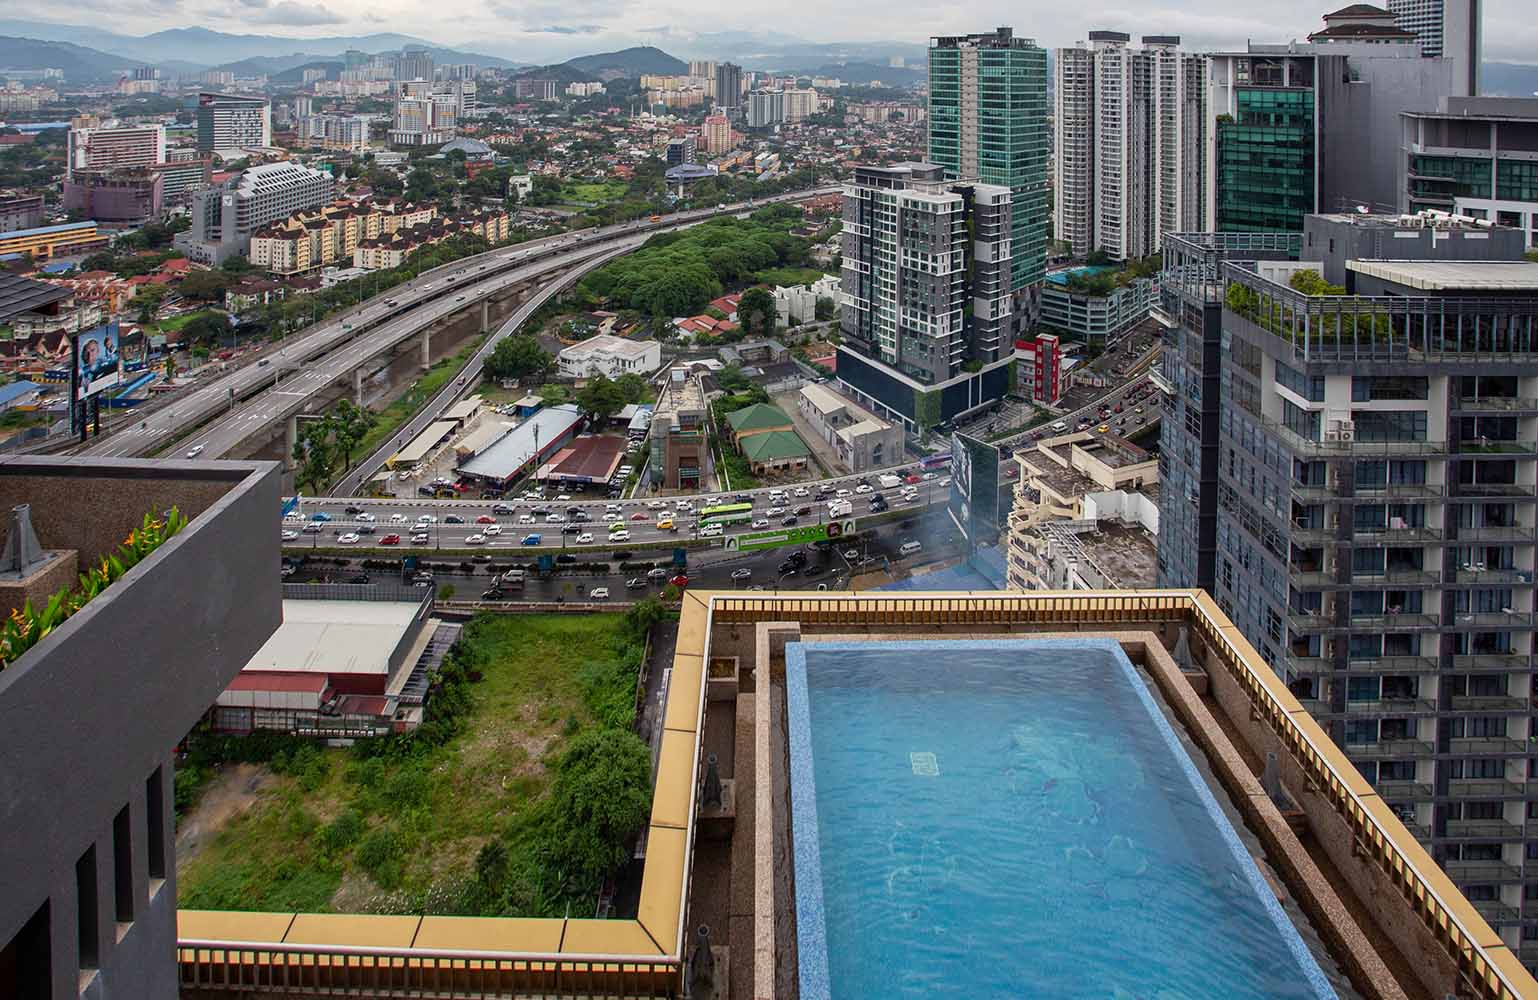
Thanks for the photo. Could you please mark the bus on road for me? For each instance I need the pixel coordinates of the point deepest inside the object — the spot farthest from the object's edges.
(727, 513)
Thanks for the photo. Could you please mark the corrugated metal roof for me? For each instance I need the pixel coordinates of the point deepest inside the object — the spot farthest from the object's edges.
(19, 295)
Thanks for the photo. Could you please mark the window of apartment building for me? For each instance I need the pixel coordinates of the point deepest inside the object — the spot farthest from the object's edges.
(1396, 770)
(1488, 472)
(1487, 386)
(1310, 387)
(1368, 562)
(1483, 601)
(1482, 893)
(1389, 425)
(1365, 389)
(1363, 689)
(1360, 731)
(1308, 473)
(1405, 560)
(1365, 647)
(1304, 423)
(1477, 429)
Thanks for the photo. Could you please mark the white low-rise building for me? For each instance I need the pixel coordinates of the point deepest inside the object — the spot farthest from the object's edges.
(862, 440)
(798, 303)
(610, 356)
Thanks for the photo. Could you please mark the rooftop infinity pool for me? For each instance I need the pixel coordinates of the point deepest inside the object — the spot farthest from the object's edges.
(1015, 818)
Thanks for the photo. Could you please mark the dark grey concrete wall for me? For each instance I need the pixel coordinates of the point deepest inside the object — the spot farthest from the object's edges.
(89, 714)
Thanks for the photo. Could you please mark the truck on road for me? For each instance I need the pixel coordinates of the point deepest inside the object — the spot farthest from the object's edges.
(889, 481)
(840, 508)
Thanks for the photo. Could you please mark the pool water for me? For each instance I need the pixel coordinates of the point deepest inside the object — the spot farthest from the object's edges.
(1015, 818)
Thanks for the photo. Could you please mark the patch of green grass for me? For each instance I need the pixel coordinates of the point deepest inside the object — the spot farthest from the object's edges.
(175, 322)
(401, 831)
(593, 192)
(787, 276)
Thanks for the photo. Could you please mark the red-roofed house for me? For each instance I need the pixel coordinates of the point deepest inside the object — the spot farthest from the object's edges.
(727, 305)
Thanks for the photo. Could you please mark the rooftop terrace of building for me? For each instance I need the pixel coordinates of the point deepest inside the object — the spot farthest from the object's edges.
(1126, 556)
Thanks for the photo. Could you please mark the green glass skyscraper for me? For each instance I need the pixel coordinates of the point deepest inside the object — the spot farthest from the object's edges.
(988, 122)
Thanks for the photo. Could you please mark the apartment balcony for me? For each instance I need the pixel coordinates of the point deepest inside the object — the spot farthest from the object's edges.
(1405, 791)
(1496, 912)
(1391, 706)
(1395, 665)
(1486, 788)
(1496, 533)
(1483, 829)
(1481, 871)
(1304, 622)
(1484, 703)
(1491, 576)
(1495, 404)
(1503, 619)
(1491, 661)
(1486, 745)
(1394, 577)
(1394, 621)
(1404, 534)
(1389, 748)
(1413, 491)
(1497, 489)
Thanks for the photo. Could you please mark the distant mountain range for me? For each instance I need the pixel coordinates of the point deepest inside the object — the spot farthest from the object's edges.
(186, 50)
(78, 62)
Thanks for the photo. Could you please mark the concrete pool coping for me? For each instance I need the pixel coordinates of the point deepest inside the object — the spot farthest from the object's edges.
(1341, 938)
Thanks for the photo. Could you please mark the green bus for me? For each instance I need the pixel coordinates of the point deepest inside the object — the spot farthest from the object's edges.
(727, 513)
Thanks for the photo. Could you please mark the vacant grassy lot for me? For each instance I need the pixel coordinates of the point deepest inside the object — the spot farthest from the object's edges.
(593, 192)
(400, 829)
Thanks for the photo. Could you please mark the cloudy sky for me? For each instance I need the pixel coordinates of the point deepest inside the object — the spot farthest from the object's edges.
(541, 30)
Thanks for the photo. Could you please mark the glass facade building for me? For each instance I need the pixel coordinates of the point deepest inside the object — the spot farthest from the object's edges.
(1266, 161)
(988, 122)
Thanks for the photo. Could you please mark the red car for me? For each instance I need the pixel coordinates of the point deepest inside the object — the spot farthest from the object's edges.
(485, 519)
(680, 581)
(912, 478)
(390, 540)
(640, 515)
(1012, 472)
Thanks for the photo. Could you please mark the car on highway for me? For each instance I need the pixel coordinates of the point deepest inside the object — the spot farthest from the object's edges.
(619, 536)
(1012, 472)
(776, 511)
(684, 503)
(635, 583)
(366, 518)
(802, 491)
(353, 508)
(390, 539)
(475, 539)
(571, 529)
(418, 539)
(347, 537)
(862, 488)
(1137, 409)
(485, 519)
(586, 538)
(290, 535)
(195, 452)
(453, 519)
(320, 515)
(555, 518)
(741, 574)
(759, 523)
(1103, 429)
(611, 517)
(491, 529)
(789, 520)
(293, 515)
(563, 496)
(526, 519)
(680, 581)
(711, 531)
(656, 504)
(841, 494)
(598, 594)
(616, 526)
(427, 519)
(364, 529)
(640, 515)
(502, 508)
(612, 508)
(313, 528)
(657, 575)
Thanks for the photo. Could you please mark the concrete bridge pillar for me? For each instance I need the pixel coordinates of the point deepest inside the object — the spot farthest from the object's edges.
(290, 438)
(426, 341)
(357, 386)
(486, 315)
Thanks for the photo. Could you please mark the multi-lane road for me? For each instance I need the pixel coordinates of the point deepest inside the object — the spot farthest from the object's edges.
(639, 517)
(466, 278)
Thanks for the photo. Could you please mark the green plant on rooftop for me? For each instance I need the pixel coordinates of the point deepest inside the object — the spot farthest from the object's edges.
(29, 625)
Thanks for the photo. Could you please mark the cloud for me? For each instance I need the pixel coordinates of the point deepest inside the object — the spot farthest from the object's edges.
(294, 13)
(569, 29)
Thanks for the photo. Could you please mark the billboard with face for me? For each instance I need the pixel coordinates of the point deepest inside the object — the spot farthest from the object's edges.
(975, 488)
(98, 361)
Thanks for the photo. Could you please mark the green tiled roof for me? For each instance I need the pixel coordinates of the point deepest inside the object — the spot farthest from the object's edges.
(757, 417)
(773, 446)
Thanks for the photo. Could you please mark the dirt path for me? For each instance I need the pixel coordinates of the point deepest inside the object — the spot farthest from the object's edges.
(226, 797)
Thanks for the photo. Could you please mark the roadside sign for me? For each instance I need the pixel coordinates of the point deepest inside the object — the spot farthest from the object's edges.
(801, 534)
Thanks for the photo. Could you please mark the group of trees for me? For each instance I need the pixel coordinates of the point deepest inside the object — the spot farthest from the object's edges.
(676, 274)
(602, 397)
(324, 446)
(518, 357)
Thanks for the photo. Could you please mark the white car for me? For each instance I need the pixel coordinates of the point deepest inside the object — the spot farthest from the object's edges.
(611, 516)
(492, 529)
(946, 481)
(475, 539)
(760, 523)
(621, 535)
(684, 504)
(347, 539)
(563, 496)
(712, 501)
(397, 518)
(655, 504)
(775, 511)
(427, 519)
(525, 518)
(195, 452)
(586, 538)
(293, 515)
(862, 488)
(842, 493)
(930, 475)
(554, 518)
(612, 508)
(367, 518)
(289, 536)
(598, 594)
(802, 491)
(711, 531)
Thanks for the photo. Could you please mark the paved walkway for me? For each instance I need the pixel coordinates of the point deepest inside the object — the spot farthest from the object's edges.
(787, 401)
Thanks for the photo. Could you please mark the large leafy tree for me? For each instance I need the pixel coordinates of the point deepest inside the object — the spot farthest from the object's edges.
(349, 424)
(316, 455)
(756, 312)
(601, 398)
(599, 801)
(516, 357)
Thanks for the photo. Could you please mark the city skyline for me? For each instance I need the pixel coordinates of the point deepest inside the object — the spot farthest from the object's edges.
(545, 32)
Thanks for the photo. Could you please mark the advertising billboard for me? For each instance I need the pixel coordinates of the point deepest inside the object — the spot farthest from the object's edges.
(974, 502)
(98, 362)
(805, 534)
(134, 348)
